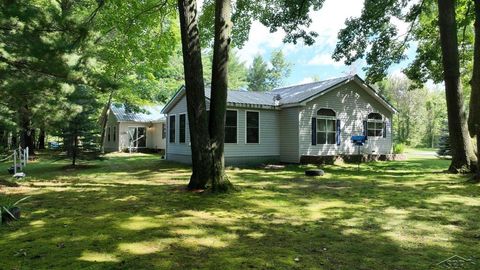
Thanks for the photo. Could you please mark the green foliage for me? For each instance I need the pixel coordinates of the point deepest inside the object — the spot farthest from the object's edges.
(444, 148)
(237, 72)
(262, 78)
(280, 69)
(419, 120)
(399, 148)
(374, 37)
(7, 204)
(258, 75)
(290, 16)
(80, 130)
(52, 48)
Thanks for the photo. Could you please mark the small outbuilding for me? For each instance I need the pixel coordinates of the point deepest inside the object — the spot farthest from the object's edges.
(127, 130)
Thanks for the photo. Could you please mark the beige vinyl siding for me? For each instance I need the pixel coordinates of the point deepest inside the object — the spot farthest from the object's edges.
(289, 131)
(267, 149)
(178, 148)
(269, 140)
(352, 104)
(155, 134)
(112, 145)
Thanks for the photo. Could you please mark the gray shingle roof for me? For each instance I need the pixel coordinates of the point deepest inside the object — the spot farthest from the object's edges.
(247, 97)
(151, 114)
(283, 96)
(299, 93)
(288, 95)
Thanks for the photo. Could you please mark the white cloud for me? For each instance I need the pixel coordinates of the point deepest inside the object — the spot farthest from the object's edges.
(327, 22)
(324, 59)
(259, 41)
(306, 80)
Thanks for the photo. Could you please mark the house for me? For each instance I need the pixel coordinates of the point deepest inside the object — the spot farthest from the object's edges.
(292, 124)
(131, 131)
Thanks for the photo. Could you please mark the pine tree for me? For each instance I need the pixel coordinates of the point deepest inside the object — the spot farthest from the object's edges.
(444, 143)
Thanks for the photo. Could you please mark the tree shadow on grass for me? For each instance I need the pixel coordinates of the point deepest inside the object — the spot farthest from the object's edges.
(278, 221)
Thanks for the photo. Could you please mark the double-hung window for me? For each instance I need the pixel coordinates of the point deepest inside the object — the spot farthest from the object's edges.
(375, 125)
(171, 129)
(182, 128)
(253, 127)
(326, 126)
(231, 127)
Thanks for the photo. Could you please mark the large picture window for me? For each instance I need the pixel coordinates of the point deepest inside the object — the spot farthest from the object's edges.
(253, 127)
(326, 126)
(375, 125)
(171, 129)
(182, 127)
(231, 127)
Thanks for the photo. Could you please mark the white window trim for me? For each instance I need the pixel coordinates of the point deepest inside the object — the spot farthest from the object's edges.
(128, 129)
(185, 142)
(259, 125)
(237, 124)
(175, 128)
(382, 121)
(323, 117)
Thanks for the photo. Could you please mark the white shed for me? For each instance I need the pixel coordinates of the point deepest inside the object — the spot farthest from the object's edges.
(143, 130)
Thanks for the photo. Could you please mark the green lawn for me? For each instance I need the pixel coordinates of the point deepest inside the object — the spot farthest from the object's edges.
(131, 212)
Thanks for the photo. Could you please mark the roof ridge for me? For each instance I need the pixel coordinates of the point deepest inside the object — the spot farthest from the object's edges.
(303, 84)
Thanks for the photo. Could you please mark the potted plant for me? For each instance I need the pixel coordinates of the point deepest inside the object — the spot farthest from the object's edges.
(9, 211)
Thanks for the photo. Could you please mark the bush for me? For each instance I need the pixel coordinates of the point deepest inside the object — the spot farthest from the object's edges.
(399, 148)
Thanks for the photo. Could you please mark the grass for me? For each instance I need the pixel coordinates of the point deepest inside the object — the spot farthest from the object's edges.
(131, 212)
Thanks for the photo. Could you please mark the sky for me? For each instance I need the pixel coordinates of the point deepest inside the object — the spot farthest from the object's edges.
(315, 61)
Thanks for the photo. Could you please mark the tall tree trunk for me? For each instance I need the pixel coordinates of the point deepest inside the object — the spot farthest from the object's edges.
(14, 140)
(74, 149)
(41, 138)
(104, 119)
(195, 93)
(462, 152)
(26, 139)
(474, 117)
(3, 138)
(218, 102)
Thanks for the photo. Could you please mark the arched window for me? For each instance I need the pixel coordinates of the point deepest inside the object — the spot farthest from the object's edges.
(326, 126)
(375, 125)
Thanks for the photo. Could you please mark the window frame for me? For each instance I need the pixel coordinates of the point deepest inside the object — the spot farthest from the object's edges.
(236, 127)
(174, 128)
(326, 118)
(114, 133)
(375, 129)
(246, 126)
(108, 134)
(179, 129)
(145, 135)
(164, 130)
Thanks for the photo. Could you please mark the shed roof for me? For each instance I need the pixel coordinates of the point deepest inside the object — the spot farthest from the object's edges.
(151, 114)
